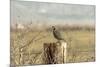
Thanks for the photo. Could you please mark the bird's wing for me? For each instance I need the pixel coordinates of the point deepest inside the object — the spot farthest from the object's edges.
(58, 33)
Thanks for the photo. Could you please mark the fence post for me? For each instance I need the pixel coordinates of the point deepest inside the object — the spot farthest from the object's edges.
(55, 53)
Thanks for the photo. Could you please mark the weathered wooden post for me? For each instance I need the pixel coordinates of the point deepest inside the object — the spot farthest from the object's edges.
(55, 53)
(64, 51)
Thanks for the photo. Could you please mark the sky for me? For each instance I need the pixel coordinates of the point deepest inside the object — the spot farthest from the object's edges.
(52, 13)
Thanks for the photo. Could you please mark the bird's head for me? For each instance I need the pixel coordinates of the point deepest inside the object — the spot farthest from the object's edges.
(53, 28)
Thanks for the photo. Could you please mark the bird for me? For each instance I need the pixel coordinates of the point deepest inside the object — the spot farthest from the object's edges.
(57, 35)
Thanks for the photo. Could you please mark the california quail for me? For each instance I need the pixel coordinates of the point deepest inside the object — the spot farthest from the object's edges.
(57, 34)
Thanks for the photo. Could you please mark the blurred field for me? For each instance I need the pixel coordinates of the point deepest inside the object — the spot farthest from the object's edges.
(81, 45)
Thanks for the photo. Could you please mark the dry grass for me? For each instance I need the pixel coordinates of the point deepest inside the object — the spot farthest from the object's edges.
(81, 46)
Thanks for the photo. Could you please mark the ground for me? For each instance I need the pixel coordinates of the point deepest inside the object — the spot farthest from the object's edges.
(81, 46)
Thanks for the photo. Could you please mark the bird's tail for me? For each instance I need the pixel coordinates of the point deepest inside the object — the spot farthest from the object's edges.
(64, 40)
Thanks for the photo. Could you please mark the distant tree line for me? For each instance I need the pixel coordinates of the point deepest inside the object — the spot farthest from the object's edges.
(74, 28)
